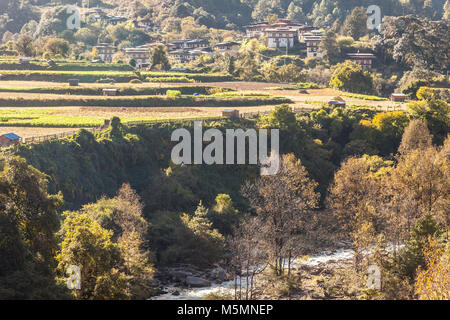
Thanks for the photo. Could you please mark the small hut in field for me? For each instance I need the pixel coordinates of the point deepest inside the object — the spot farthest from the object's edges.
(230, 113)
(8, 139)
(398, 97)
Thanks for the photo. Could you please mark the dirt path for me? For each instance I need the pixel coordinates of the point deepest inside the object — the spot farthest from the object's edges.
(27, 132)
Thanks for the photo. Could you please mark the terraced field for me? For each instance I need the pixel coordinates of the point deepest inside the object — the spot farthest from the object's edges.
(40, 100)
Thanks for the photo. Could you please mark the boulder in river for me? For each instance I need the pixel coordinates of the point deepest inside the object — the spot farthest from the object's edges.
(219, 274)
(197, 282)
(180, 275)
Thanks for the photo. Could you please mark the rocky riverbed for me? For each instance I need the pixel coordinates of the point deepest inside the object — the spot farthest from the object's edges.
(189, 283)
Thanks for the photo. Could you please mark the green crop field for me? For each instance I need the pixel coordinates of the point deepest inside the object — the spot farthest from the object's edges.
(141, 101)
(14, 64)
(75, 118)
(117, 76)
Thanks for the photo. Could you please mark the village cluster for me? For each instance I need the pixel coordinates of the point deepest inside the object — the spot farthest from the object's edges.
(284, 35)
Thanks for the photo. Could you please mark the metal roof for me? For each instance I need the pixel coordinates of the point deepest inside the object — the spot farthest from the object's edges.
(11, 136)
(337, 102)
(361, 55)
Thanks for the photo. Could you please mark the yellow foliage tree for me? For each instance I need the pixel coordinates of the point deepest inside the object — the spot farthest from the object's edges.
(425, 93)
(434, 282)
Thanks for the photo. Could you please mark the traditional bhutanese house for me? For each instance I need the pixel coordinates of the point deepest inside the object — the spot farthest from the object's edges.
(337, 103)
(260, 29)
(106, 52)
(281, 37)
(8, 139)
(312, 45)
(196, 43)
(363, 59)
(140, 54)
(152, 45)
(230, 47)
(183, 55)
(398, 97)
(286, 23)
(177, 44)
(304, 29)
(180, 55)
(256, 30)
(230, 113)
(190, 44)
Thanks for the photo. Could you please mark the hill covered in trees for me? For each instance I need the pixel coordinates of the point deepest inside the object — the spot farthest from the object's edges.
(232, 14)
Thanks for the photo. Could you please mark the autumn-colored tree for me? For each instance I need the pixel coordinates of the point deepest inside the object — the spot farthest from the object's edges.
(283, 203)
(57, 46)
(249, 256)
(425, 93)
(353, 198)
(416, 136)
(88, 246)
(118, 228)
(25, 46)
(94, 54)
(423, 175)
(433, 283)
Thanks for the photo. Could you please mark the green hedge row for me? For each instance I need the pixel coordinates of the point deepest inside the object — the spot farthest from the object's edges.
(64, 76)
(64, 66)
(93, 76)
(145, 101)
(201, 77)
(95, 91)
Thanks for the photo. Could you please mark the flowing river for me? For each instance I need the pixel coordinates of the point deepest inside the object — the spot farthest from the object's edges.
(201, 293)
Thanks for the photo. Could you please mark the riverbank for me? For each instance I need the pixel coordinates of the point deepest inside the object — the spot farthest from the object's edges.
(174, 284)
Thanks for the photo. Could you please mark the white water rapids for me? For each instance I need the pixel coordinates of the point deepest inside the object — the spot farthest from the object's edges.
(201, 293)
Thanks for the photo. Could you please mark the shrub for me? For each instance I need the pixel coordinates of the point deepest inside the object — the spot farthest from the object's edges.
(173, 93)
(308, 85)
(425, 93)
(169, 79)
